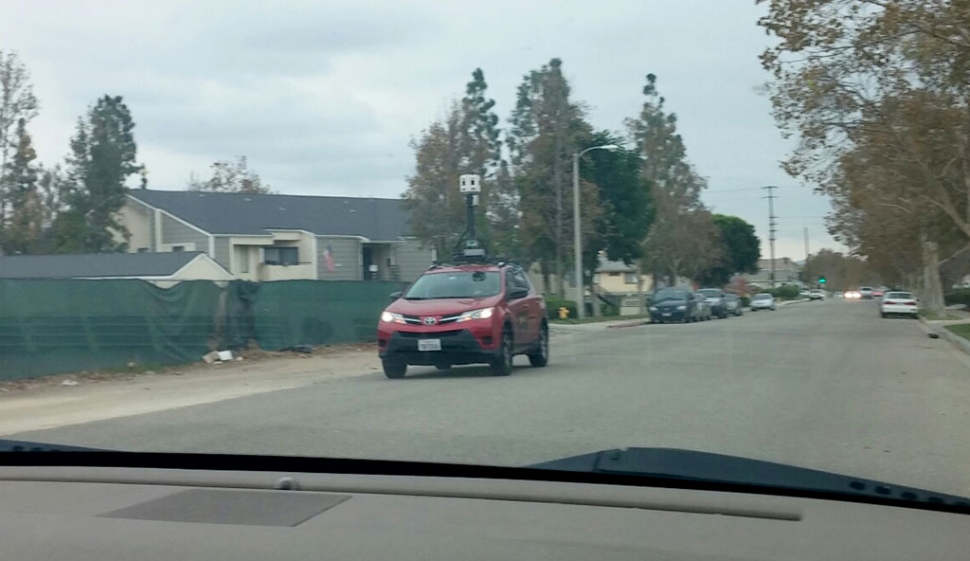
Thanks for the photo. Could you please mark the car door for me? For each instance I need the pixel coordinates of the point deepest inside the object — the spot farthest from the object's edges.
(518, 309)
(535, 307)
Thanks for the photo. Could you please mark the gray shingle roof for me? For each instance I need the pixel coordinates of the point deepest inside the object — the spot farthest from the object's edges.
(93, 265)
(237, 213)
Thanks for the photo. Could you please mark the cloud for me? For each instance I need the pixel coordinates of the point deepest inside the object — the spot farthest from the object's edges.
(323, 97)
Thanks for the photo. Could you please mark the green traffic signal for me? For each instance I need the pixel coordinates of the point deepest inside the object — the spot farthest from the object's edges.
(821, 280)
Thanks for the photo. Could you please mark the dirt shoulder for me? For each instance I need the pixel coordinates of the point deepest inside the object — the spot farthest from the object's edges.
(56, 401)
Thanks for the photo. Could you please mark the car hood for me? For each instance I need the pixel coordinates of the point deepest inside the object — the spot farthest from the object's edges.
(441, 306)
(669, 303)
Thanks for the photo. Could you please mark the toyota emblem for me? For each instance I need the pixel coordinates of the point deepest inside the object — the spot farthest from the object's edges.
(430, 321)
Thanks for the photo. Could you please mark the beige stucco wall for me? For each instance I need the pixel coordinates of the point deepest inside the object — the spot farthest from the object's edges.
(203, 269)
(136, 219)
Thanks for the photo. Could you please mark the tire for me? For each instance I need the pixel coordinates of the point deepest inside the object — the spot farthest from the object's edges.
(884, 315)
(540, 356)
(502, 364)
(394, 369)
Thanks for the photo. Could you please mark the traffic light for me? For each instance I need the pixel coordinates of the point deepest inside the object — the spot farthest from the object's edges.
(821, 280)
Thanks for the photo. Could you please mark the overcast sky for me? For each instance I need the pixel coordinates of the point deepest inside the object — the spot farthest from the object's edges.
(324, 96)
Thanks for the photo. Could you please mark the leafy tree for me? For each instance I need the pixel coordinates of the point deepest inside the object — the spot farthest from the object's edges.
(740, 251)
(436, 207)
(887, 82)
(103, 156)
(22, 232)
(17, 103)
(466, 141)
(682, 240)
(547, 128)
(231, 177)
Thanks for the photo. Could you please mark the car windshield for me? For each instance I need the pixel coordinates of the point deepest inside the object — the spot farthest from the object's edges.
(461, 284)
(899, 296)
(490, 233)
(670, 294)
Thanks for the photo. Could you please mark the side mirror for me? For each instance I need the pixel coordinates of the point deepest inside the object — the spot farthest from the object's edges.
(517, 293)
(395, 295)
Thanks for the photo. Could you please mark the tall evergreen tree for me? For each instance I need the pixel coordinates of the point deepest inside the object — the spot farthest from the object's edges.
(547, 128)
(103, 157)
(17, 103)
(22, 231)
(683, 239)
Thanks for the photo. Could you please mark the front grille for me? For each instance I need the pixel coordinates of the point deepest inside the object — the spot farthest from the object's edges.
(429, 335)
(414, 320)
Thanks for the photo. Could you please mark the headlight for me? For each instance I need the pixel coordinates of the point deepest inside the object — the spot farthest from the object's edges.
(653, 308)
(681, 307)
(484, 313)
(390, 317)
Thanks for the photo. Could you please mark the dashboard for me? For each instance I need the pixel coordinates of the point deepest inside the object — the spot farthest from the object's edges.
(104, 513)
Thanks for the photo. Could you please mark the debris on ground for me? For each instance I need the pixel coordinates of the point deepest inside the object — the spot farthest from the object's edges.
(933, 336)
(70, 383)
(305, 349)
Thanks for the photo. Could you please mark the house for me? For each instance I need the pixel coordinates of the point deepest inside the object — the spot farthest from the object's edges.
(280, 237)
(786, 272)
(616, 277)
(163, 269)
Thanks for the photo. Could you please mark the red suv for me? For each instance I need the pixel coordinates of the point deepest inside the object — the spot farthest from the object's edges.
(464, 314)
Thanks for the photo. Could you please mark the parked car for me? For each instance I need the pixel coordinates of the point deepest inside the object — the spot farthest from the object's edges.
(852, 295)
(762, 301)
(804, 293)
(865, 292)
(704, 307)
(734, 306)
(715, 299)
(464, 314)
(669, 305)
(816, 294)
(899, 303)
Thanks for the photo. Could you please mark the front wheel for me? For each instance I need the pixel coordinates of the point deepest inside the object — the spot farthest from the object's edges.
(540, 356)
(502, 363)
(394, 369)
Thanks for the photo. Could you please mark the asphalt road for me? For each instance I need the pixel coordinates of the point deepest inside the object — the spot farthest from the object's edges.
(827, 385)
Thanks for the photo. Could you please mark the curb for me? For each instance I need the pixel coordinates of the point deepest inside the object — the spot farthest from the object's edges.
(944, 333)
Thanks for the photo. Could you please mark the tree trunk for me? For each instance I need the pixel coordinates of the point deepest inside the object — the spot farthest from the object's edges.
(546, 285)
(641, 300)
(931, 299)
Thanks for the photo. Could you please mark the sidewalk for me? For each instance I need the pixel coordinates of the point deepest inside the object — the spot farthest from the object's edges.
(67, 400)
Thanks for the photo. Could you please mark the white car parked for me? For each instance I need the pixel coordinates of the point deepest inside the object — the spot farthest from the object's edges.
(898, 303)
(762, 301)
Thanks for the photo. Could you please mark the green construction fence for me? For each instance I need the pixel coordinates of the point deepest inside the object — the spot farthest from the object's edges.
(58, 326)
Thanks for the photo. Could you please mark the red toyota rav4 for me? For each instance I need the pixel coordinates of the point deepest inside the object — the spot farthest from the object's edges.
(464, 314)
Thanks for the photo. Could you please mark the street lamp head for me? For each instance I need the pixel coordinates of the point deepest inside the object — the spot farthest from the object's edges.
(610, 147)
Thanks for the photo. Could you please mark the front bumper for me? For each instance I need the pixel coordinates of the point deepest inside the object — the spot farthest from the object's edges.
(458, 346)
(895, 309)
(662, 315)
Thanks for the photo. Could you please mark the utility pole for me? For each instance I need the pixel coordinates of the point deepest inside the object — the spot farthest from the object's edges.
(806, 245)
(771, 229)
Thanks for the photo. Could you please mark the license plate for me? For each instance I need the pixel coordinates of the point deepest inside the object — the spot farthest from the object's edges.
(666, 314)
(429, 344)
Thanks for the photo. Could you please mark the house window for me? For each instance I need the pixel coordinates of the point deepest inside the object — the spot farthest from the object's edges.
(614, 274)
(178, 248)
(281, 256)
(630, 278)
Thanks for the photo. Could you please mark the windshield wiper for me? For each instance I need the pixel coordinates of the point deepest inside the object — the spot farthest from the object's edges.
(667, 466)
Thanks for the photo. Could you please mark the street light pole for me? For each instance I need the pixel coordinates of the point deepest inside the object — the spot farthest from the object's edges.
(577, 233)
